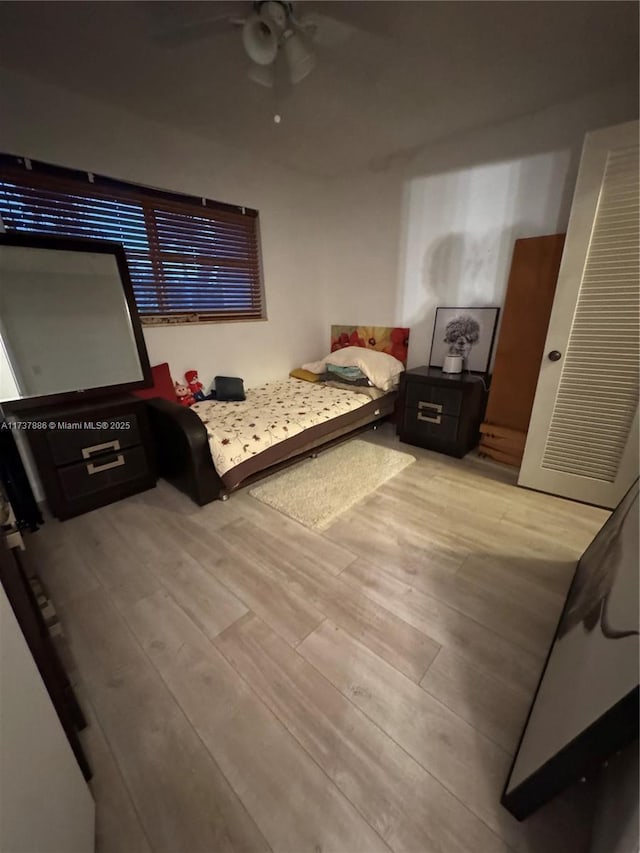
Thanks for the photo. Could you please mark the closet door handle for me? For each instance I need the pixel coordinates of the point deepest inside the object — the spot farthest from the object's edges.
(434, 407)
(554, 355)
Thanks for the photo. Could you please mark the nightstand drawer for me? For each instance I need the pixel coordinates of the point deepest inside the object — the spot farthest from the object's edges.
(425, 423)
(433, 400)
(440, 411)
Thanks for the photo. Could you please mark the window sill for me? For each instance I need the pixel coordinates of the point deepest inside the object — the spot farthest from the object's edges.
(151, 321)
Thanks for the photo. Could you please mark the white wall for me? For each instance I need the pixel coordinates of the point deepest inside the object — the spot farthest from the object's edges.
(436, 226)
(460, 231)
(45, 803)
(431, 226)
(361, 231)
(50, 124)
(8, 384)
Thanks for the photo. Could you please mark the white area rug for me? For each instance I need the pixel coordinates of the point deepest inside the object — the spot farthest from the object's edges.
(315, 492)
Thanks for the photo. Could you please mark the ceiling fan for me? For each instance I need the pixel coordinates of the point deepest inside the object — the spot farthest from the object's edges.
(278, 43)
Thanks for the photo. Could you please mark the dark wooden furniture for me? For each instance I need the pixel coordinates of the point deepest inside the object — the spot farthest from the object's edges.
(92, 454)
(525, 318)
(14, 576)
(182, 450)
(441, 411)
(184, 459)
(16, 484)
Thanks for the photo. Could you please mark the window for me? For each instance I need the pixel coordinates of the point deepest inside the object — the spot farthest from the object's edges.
(190, 260)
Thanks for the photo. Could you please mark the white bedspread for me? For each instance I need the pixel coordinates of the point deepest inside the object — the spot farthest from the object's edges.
(270, 414)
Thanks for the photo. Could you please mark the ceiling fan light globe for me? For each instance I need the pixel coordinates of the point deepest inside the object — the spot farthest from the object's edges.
(260, 40)
(300, 59)
(274, 13)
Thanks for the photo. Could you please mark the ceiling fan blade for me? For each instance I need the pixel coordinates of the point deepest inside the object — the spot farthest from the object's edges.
(371, 18)
(176, 31)
(281, 77)
(262, 74)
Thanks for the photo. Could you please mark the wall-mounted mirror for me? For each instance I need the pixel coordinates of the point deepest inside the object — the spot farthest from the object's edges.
(68, 322)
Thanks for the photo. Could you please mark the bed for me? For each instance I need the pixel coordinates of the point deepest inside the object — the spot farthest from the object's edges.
(212, 448)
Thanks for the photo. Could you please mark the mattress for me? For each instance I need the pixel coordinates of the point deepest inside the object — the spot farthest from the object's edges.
(271, 414)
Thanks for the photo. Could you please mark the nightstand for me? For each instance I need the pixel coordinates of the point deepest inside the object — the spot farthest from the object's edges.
(441, 411)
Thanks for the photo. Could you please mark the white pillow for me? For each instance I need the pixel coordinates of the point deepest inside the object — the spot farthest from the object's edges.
(381, 369)
(315, 367)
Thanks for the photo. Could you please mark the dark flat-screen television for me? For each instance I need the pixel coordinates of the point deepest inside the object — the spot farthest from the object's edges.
(69, 328)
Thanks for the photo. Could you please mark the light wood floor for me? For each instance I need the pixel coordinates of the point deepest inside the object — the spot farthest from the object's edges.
(252, 685)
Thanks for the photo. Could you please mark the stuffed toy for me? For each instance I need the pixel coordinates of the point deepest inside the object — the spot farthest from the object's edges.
(195, 386)
(183, 394)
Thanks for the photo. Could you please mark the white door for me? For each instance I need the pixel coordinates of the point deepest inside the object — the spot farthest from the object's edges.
(583, 436)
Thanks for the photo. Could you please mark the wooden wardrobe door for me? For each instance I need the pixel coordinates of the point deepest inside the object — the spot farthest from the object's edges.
(525, 318)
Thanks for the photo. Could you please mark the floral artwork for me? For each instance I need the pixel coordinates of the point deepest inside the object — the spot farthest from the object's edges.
(393, 340)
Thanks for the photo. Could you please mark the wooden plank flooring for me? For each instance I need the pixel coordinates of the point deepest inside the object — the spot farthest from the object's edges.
(252, 685)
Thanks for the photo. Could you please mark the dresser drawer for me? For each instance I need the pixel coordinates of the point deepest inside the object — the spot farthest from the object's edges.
(433, 400)
(425, 424)
(101, 473)
(77, 443)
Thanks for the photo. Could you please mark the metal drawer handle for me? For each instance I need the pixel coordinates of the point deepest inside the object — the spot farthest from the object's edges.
(434, 407)
(96, 469)
(97, 448)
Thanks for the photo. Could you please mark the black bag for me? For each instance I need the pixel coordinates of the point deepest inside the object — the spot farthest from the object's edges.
(229, 388)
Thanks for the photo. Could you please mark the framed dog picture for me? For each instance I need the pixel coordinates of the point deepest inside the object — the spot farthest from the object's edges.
(469, 332)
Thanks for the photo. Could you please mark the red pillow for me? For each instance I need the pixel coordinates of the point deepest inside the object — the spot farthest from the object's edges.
(162, 384)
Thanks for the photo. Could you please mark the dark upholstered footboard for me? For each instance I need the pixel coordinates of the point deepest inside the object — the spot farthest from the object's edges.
(184, 458)
(182, 451)
(311, 439)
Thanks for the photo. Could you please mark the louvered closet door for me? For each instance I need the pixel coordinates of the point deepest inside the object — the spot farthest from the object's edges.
(583, 436)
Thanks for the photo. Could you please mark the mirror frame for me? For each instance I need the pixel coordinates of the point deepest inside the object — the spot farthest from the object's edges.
(77, 244)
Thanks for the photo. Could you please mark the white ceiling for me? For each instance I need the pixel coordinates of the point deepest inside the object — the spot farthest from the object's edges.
(390, 76)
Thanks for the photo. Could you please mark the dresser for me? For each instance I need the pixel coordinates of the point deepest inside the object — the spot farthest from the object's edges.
(93, 454)
(441, 411)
